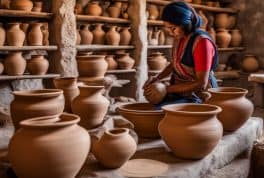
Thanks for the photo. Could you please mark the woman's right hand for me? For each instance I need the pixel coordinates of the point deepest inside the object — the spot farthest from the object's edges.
(150, 80)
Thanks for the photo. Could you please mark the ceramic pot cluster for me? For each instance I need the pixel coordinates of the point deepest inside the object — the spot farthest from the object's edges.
(158, 37)
(58, 147)
(119, 61)
(157, 61)
(99, 36)
(36, 103)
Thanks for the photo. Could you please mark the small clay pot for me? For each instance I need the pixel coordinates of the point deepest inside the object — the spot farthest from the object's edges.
(223, 38)
(114, 11)
(112, 36)
(93, 8)
(157, 61)
(38, 65)
(222, 20)
(250, 63)
(236, 38)
(124, 61)
(25, 5)
(153, 12)
(125, 36)
(15, 36)
(86, 35)
(5, 4)
(98, 35)
(15, 64)
(112, 64)
(35, 36)
(37, 6)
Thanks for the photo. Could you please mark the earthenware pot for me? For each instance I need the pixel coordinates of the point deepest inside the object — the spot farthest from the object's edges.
(155, 93)
(250, 63)
(58, 147)
(124, 61)
(15, 64)
(236, 38)
(112, 64)
(157, 61)
(98, 34)
(112, 36)
(93, 8)
(37, 7)
(15, 36)
(86, 35)
(222, 20)
(153, 11)
(114, 11)
(125, 36)
(37, 65)
(35, 36)
(25, 5)
(223, 38)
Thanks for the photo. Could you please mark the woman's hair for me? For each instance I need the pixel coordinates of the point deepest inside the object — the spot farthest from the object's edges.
(180, 13)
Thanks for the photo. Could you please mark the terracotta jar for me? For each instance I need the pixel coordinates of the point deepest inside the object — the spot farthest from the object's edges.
(222, 20)
(37, 6)
(1, 68)
(35, 36)
(223, 38)
(2, 35)
(86, 35)
(15, 64)
(5, 4)
(157, 61)
(93, 8)
(236, 107)
(155, 93)
(236, 38)
(58, 147)
(153, 12)
(98, 34)
(70, 90)
(191, 130)
(92, 66)
(112, 64)
(124, 61)
(15, 36)
(25, 5)
(36, 103)
(120, 148)
(114, 11)
(250, 63)
(112, 36)
(90, 105)
(37, 65)
(125, 36)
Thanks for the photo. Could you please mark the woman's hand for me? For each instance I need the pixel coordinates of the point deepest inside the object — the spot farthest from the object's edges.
(151, 79)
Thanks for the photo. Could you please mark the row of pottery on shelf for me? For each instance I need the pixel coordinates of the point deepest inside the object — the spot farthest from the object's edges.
(158, 37)
(15, 64)
(98, 36)
(24, 5)
(148, 122)
(16, 34)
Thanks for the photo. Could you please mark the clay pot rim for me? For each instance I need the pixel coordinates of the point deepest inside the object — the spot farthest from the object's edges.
(172, 108)
(44, 93)
(228, 90)
(54, 121)
(125, 109)
(121, 131)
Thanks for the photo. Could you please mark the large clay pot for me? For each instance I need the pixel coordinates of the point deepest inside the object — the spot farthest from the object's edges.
(124, 61)
(120, 148)
(98, 34)
(70, 90)
(25, 5)
(153, 12)
(93, 8)
(2, 35)
(90, 105)
(37, 65)
(15, 36)
(35, 36)
(191, 130)
(86, 35)
(223, 38)
(250, 63)
(36, 103)
(92, 66)
(15, 64)
(236, 107)
(236, 38)
(125, 36)
(112, 36)
(112, 64)
(157, 61)
(58, 147)
(155, 93)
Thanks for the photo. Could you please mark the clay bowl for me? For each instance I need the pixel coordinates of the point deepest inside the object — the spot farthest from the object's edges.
(144, 117)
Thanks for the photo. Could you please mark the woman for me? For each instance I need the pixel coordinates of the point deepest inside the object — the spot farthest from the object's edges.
(194, 56)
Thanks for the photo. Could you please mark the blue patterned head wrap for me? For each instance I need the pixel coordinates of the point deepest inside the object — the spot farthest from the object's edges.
(180, 13)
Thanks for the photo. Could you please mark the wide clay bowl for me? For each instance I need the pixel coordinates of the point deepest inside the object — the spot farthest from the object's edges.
(144, 117)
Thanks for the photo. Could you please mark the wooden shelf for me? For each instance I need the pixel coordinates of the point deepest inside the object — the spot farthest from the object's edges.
(101, 47)
(232, 74)
(28, 48)
(120, 71)
(197, 6)
(159, 46)
(19, 13)
(102, 19)
(21, 77)
(231, 49)
(155, 22)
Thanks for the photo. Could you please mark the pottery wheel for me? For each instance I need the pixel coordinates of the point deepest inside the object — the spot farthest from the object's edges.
(143, 168)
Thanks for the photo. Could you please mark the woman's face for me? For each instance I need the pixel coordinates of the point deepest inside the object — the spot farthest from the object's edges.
(173, 30)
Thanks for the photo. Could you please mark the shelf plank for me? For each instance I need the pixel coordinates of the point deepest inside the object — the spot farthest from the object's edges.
(231, 49)
(197, 6)
(28, 48)
(20, 13)
(103, 19)
(159, 46)
(155, 22)
(101, 47)
(120, 71)
(26, 76)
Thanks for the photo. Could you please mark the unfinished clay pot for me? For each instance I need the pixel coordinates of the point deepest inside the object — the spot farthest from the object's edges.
(93, 8)
(15, 36)
(222, 20)
(35, 36)
(124, 61)
(120, 148)
(125, 36)
(25, 5)
(15, 64)
(37, 65)
(112, 36)
(36, 103)
(98, 34)
(92, 66)
(155, 93)
(37, 7)
(86, 35)
(236, 107)
(250, 63)
(223, 38)
(112, 64)
(70, 90)
(236, 38)
(191, 130)
(90, 105)
(144, 117)
(157, 61)
(2, 35)
(58, 147)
